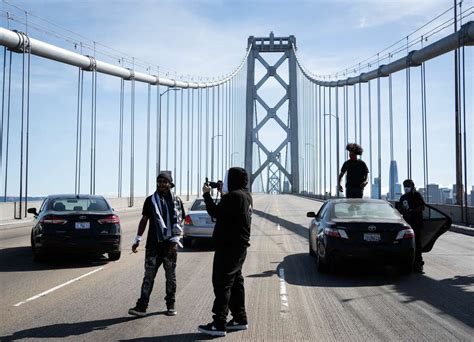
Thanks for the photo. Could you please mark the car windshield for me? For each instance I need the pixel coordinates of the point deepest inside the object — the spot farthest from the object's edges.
(368, 210)
(78, 204)
(199, 205)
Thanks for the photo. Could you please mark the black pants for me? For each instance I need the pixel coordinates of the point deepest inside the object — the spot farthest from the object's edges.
(229, 284)
(153, 260)
(354, 192)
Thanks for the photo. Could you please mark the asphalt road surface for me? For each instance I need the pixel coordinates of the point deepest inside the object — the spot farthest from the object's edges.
(287, 300)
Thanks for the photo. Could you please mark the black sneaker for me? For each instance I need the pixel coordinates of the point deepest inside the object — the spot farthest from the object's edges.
(171, 311)
(418, 269)
(137, 311)
(211, 329)
(235, 325)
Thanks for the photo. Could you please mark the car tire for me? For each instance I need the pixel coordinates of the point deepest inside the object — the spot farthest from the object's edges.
(37, 255)
(406, 268)
(321, 266)
(311, 251)
(187, 242)
(114, 256)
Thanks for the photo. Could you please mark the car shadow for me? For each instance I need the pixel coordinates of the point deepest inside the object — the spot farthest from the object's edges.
(295, 228)
(20, 259)
(63, 330)
(451, 296)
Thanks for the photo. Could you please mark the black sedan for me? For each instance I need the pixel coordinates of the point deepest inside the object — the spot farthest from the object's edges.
(79, 224)
(368, 229)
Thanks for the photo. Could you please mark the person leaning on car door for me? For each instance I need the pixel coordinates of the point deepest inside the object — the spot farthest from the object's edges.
(165, 211)
(411, 206)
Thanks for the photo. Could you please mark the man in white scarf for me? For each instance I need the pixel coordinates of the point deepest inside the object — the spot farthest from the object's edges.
(164, 211)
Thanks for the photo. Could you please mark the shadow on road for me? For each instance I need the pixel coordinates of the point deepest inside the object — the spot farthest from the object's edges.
(20, 259)
(295, 228)
(450, 296)
(178, 338)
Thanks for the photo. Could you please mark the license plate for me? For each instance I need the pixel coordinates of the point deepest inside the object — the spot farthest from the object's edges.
(83, 225)
(371, 237)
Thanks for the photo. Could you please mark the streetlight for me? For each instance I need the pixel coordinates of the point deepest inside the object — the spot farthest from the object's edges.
(337, 148)
(212, 155)
(158, 128)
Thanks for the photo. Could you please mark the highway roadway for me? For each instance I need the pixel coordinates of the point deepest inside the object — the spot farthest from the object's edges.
(287, 300)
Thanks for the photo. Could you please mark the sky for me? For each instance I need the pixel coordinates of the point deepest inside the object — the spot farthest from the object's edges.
(200, 39)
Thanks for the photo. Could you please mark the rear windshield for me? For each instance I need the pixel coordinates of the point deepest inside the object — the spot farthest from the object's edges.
(200, 205)
(78, 204)
(364, 211)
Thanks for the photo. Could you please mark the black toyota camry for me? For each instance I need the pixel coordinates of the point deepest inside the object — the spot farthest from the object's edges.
(78, 224)
(368, 229)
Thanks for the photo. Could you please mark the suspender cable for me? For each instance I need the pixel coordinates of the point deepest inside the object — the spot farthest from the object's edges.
(360, 114)
(355, 115)
(463, 70)
(3, 107)
(218, 128)
(370, 137)
(120, 168)
(207, 135)
(24, 98)
(188, 138)
(322, 161)
(379, 140)
(408, 94)
(181, 145)
(337, 137)
(167, 136)
(147, 183)
(191, 165)
(158, 130)
(80, 89)
(390, 113)
(28, 51)
(324, 140)
(330, 144)
(424, 128)
(175, 150)
(132, 142)
(199, 139)
(7, 149)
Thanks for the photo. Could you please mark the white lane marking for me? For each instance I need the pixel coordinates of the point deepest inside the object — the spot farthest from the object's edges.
(283, 294)
(59, 286)
(278, 226)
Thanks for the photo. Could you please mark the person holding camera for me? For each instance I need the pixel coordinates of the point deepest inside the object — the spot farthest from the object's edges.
(357, 172)
(165, 212)
(411, 206)
(231, 238)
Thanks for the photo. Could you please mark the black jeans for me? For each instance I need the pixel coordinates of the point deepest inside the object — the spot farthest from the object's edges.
(153, 260)
(229, 284)
(354, 192)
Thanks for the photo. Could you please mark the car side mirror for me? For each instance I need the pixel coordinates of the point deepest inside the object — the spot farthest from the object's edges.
(311, 214)
(32, 211)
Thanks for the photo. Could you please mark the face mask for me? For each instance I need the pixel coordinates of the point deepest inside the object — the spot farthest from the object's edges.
(407, 190)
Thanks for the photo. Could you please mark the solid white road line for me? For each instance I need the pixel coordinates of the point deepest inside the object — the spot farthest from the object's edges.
(283, 294)
(59, 286)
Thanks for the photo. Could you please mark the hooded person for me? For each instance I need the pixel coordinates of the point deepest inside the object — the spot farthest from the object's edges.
(357, 172)
(411, 206)
(231, 238)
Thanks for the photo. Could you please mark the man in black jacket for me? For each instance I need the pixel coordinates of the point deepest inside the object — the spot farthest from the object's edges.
(357, 171)
(231, 238)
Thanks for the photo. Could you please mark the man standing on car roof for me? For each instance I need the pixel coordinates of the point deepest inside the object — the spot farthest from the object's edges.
(165, 211)
(411, 206)
(231, 238)
(357, 172)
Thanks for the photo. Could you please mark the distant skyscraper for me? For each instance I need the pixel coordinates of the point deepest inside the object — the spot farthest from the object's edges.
(394, 190)
(375, 188)
(434, 195)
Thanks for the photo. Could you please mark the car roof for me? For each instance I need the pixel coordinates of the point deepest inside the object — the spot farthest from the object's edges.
(356, 200)
(81, 196)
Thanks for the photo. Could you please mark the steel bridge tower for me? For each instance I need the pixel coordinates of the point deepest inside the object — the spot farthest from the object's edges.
(259, 46)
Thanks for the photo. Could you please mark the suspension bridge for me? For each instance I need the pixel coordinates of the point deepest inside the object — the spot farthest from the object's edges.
(197, 127)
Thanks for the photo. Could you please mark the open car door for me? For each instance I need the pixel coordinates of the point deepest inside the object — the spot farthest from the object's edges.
(435, 223)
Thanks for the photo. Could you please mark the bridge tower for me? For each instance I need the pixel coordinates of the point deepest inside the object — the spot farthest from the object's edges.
(258, 47)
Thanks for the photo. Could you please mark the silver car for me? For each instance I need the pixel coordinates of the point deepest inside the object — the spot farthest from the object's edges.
(197, 223)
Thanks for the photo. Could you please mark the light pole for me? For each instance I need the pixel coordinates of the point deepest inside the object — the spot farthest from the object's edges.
(337, 146)
(212, 155)
(158, 145)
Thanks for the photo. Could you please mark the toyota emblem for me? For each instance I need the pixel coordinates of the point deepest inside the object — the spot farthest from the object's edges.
(372, 228)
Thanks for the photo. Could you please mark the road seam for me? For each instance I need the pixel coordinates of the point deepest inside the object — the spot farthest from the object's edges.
(58, 287)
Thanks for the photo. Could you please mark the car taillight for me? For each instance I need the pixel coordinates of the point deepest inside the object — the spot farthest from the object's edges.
(405, 234)
(188, 221)
(50, 219)
(337, 233)
(109, 219)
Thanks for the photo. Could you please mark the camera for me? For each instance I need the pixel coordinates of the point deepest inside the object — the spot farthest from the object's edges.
(215, 185)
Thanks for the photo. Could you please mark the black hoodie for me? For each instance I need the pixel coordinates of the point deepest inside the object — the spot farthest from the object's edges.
(233, 213)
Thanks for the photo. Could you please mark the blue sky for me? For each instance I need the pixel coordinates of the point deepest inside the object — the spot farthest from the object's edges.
(208, 38)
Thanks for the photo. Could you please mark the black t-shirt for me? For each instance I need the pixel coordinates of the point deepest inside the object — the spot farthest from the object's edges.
(412, 200)
(356, 172)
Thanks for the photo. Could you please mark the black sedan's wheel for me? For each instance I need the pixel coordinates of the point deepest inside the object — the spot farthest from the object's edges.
(311, 252)
(406, 268)
(114, 256)
(322, 266)
(187, 242)
(37, 255)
